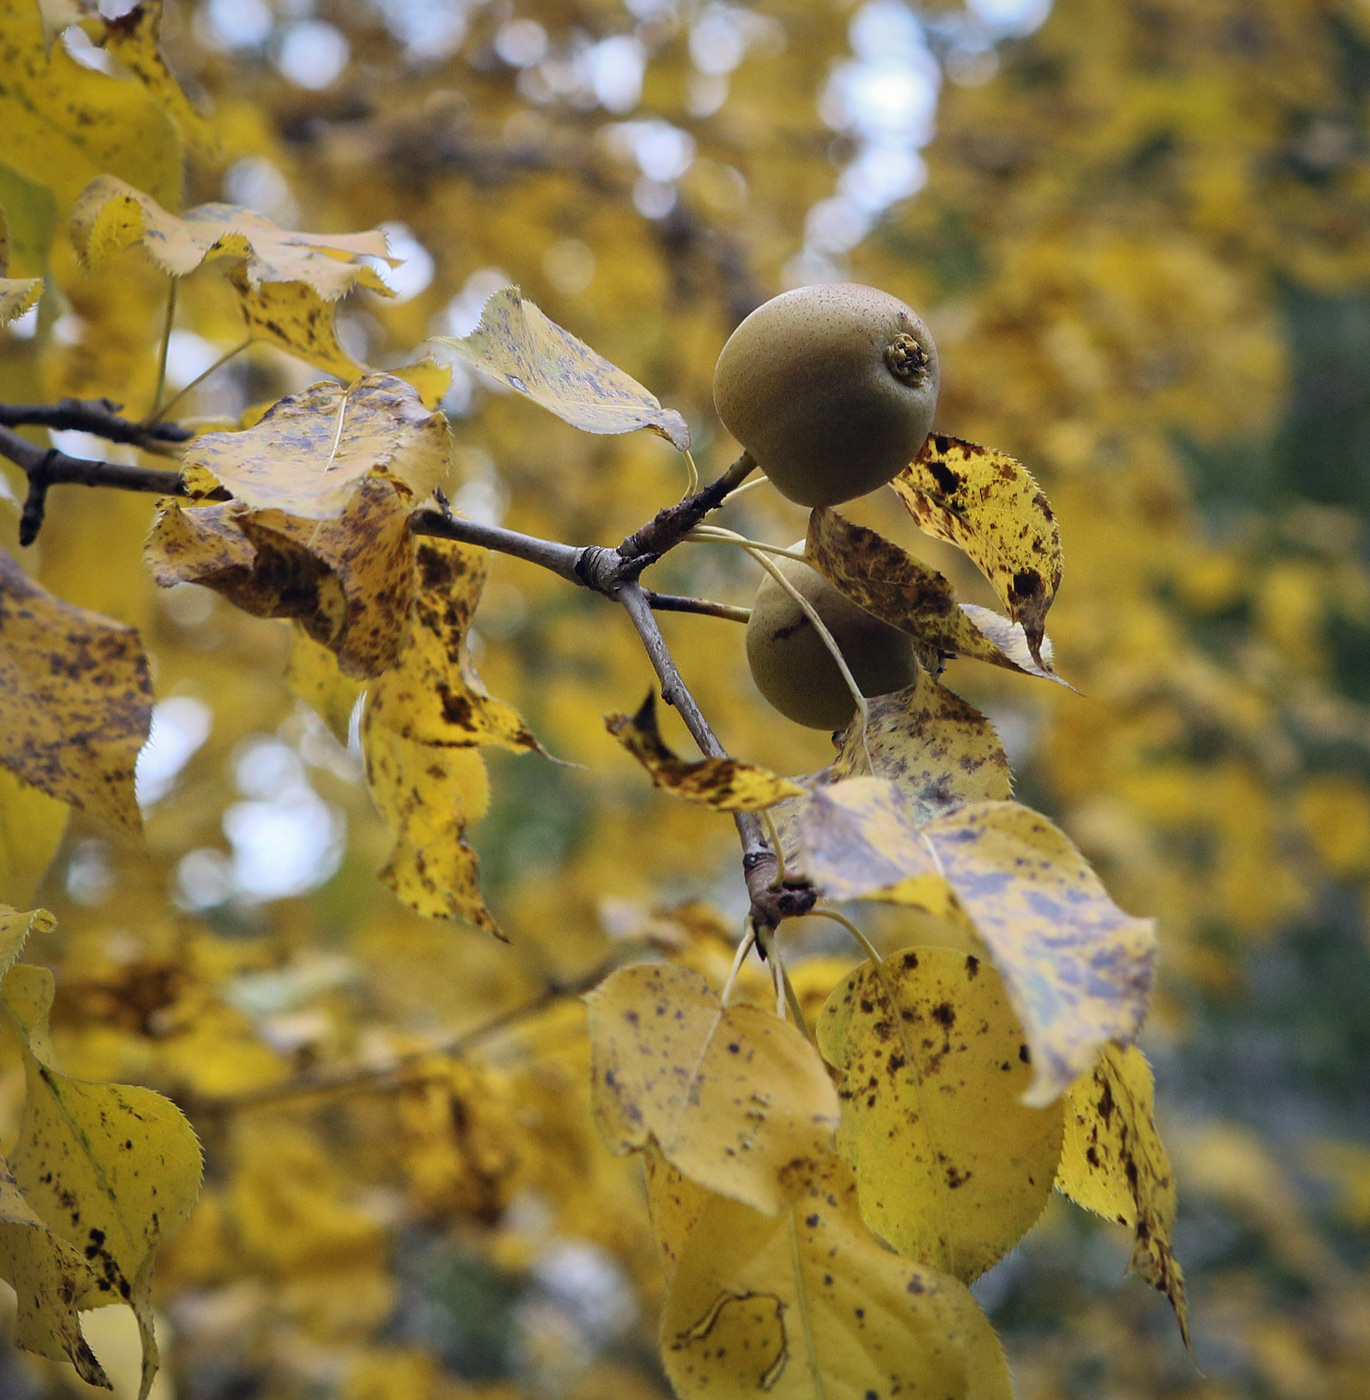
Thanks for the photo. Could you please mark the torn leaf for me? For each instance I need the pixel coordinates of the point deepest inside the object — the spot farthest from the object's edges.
(721, 784)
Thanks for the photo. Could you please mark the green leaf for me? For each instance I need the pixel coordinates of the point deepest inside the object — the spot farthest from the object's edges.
(110, 1169)
(951, 1168)
(516, 344)
(733, 1096)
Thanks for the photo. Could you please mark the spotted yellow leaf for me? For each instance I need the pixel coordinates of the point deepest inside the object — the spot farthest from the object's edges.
(676, 1204)
(434, 695)
(64, 124)
(348, 581)
(733, 1096)
(951, 1168)
(516, 344)
(17, 294)
(428, 797)
(886, 580)
(75, 699)
(1114, 1163)
(989, 505)
(722, 784)
(807, 1304)
(307, 454)
(112, 1170)
(312, 673)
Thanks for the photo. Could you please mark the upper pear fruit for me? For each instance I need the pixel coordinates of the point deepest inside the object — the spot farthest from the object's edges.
(831, 388)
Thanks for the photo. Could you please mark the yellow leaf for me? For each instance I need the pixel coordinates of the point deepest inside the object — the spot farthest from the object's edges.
(434, 695)
(1114, 1163)
(989, 505)
(516, 344)
(951, 1168)
(312, 673)
(429, 378)
(1077, 967)
(112, 215)
(295, 317)
(308, 453)
(15, 927)
(132, 39)
(32, 825)
(428, 797)
(721, 784)
(17, 294)
(878, 575)
(808, 1305)
(75, 699)
(733, 1096)
(29, 214)
(111, 1169)
(349, 581)
(676, 1204)
(48, 1276)
(65, 124)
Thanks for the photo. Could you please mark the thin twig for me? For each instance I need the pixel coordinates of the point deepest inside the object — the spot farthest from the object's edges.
(673, 602)
(384, 1076)
(548, 554)
(166, 342)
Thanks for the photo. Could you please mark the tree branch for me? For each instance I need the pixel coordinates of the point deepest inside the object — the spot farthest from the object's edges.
(673, 602)
(548, 554)
(97, 416)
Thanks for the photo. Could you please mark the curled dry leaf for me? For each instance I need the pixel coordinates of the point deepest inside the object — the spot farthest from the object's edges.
(75, 699)
(348, 581)
(1114, 1163)
(287, 282)
(65, 124)
(310, 450)
(434, 695)
(429, 797)
(516, 344)
(722, 784)
(807, 1304)
(112, 1170)
(876, 574)
(733, 1096)
(989, 505)
(951, 1168)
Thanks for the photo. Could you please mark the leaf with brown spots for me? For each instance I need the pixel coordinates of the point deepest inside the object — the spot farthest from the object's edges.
(112, 1170)
(876, 574)
(307, 455)
(64, 124)
(516, 344)
(733, 1096)
(428, 797)
(676, 1204)
(808, 1304)
(989, 505)
(434, 695)
(17, 294)
(348, 581)
(1115, 1164)
(75, 699)
(721, 784)
(313, 674)
(951, 1168)
(937, 750)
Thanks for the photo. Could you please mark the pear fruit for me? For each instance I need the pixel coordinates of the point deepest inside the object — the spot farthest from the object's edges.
(794, 669)
(831, 388)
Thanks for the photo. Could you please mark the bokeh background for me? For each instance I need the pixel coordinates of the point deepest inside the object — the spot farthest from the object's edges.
(1140, 231)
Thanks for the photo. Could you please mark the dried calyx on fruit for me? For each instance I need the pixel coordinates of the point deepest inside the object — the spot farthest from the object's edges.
(831, 388)
(791, 663)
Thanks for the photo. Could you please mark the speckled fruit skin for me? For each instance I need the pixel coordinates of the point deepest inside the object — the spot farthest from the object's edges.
(794, 669)
(806, 384)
